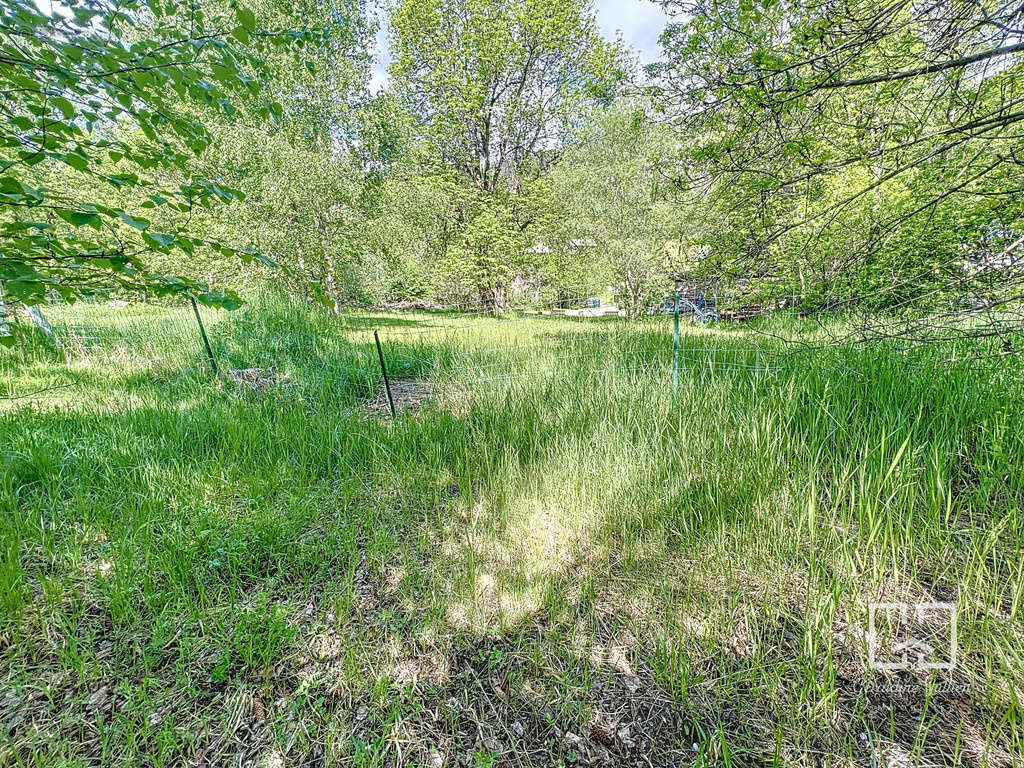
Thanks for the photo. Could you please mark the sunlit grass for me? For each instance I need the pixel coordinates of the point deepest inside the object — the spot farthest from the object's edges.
(557, 537)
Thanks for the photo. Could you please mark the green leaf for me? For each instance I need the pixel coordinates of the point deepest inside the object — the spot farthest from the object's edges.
(27, 291)
(76, 161)
(158, 239)
(66, 107)
(246, 18)
(131, 221)
(80, 218)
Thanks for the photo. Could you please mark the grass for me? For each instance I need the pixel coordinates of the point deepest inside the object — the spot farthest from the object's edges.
(554, 559)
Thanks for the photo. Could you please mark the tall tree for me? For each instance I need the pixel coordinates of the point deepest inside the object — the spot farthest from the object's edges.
(302, 174)
(499, 85)
(874, 126)
(612, 194)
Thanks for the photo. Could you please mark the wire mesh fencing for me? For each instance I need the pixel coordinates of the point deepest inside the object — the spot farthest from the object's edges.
(127, 336)
(326, 359)
(278, 342)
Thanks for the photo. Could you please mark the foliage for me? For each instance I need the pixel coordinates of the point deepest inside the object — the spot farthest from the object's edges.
(477, 270)
(850, 149)
(846, 154)
(498, 85)
(612, 191)
(101, 98)
(415, 222)
(301, 177)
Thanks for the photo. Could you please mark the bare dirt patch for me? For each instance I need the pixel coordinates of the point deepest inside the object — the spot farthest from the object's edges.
(408, 394)
(259, 380)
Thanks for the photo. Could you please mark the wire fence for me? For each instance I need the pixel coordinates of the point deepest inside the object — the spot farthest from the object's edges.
(277, 344)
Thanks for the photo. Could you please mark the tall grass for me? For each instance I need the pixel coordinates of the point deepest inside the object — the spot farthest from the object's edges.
(191, 571)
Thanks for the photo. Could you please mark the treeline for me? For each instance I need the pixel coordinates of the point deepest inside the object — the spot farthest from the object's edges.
(849, 153)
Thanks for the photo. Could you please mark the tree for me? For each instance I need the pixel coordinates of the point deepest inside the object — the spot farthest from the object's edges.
(478, 268)
(846, 131)
(498, 85)
(613, 190)
(303, 175)
(416, 221)
(102, 100)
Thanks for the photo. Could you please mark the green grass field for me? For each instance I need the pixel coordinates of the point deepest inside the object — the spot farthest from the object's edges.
(551, 557)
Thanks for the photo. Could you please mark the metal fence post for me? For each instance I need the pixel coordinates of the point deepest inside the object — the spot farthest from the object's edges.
(675, 345)
(384, 373)
(202, 332)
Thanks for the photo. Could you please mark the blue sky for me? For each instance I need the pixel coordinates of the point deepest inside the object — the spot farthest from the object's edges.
(640, 22)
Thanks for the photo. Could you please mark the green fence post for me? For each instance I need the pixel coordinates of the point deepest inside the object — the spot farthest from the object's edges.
(202, 332)
(384, 373)
(675, 345)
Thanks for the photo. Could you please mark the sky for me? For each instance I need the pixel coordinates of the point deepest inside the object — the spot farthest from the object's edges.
(640, 22)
